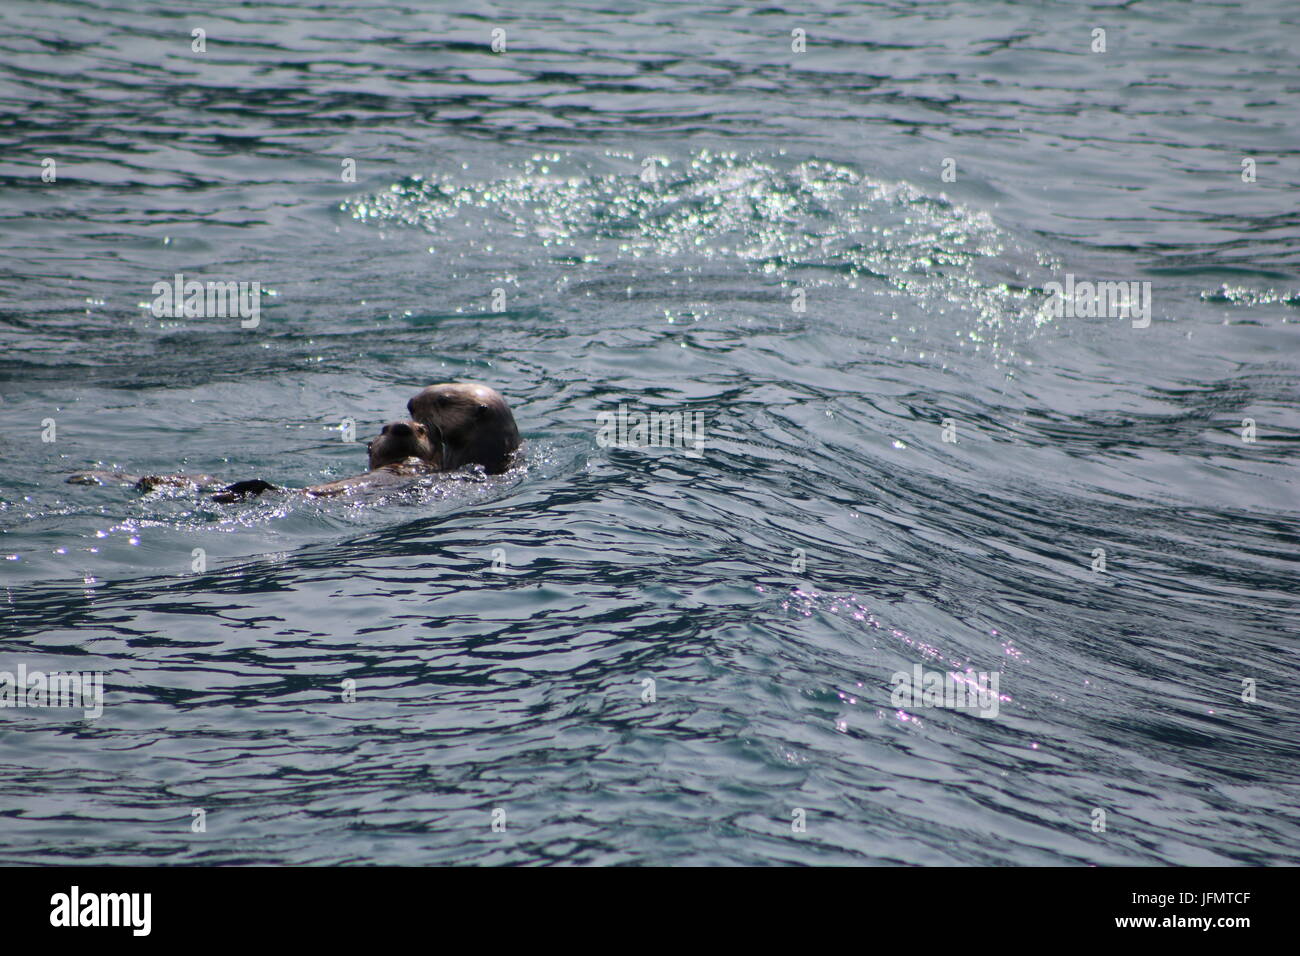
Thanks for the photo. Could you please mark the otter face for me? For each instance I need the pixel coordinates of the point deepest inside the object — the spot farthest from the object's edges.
(476, 424)
(398, 441)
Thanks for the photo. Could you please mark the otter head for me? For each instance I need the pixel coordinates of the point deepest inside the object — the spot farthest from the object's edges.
(476, 424)
(398, 441)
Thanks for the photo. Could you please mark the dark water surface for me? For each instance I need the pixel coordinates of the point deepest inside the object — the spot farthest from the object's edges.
(780, 175)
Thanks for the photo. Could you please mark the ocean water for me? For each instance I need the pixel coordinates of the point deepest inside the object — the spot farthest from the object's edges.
(839, 260)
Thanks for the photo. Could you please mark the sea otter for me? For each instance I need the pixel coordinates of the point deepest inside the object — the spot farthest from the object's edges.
(475, 422)
(453, 424)
(402, 450)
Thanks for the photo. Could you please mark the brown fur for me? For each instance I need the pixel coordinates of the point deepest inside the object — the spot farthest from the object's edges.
(452, 424)
(145, 483)
(391, 475)
(474, 421)
(402, 450)
(398, 441)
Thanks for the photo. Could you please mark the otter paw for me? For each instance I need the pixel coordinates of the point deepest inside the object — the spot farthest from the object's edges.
(243, 489)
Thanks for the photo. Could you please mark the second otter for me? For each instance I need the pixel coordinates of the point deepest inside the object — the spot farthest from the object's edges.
(452, 424)
(401, 451)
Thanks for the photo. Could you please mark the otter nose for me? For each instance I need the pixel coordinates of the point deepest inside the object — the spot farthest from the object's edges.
(399, 428)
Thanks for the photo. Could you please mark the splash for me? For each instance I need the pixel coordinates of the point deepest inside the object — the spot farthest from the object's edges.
(1244, 296)
(814, 222)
